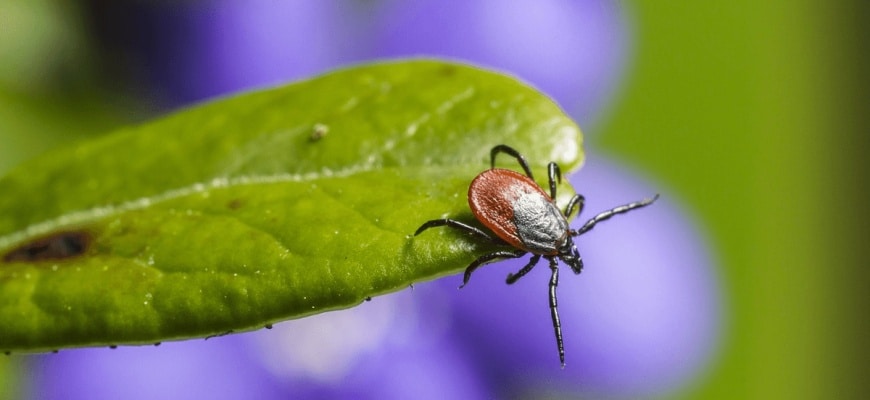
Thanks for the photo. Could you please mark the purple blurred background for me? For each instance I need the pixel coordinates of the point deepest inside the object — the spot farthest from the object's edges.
(641, 320)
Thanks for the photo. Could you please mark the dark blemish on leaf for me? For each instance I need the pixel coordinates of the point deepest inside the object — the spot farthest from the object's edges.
(113, 347)
(57, 246)
(447, 70)
(235, 204)
(55, 351)
(268, 326)
(318, 132)
(368, 298)
(7, 352)
(156, 344)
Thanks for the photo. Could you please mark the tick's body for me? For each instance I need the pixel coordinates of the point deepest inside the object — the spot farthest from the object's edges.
(527, 219)
(516, 209)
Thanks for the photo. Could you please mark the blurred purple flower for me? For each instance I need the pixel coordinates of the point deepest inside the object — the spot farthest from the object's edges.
(641, 319)
(215, 369)
(572, 50)
(260, 42)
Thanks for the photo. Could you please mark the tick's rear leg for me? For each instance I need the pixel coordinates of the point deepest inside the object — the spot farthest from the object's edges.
(461, 226)
(487, 258)
(511, 278)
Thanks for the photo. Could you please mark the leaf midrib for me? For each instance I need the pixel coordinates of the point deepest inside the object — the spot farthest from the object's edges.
(81, 217)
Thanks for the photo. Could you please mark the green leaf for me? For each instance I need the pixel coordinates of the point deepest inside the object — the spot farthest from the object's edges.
(261, 207)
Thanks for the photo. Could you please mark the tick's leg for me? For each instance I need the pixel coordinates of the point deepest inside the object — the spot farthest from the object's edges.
(486, 258)
(575, 202)
(515, 154)
(511, 278)
(461, 226)
(609, 213)
(555, 175)
(554, 312)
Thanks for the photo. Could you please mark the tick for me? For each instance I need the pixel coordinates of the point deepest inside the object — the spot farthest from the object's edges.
(521, 215)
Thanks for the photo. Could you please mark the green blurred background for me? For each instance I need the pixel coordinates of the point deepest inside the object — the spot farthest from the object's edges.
(754, 112)
(751, 111)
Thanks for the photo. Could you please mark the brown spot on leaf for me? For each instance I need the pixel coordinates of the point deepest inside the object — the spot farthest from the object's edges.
(235, 204)
(447, 70)
(57, 246)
